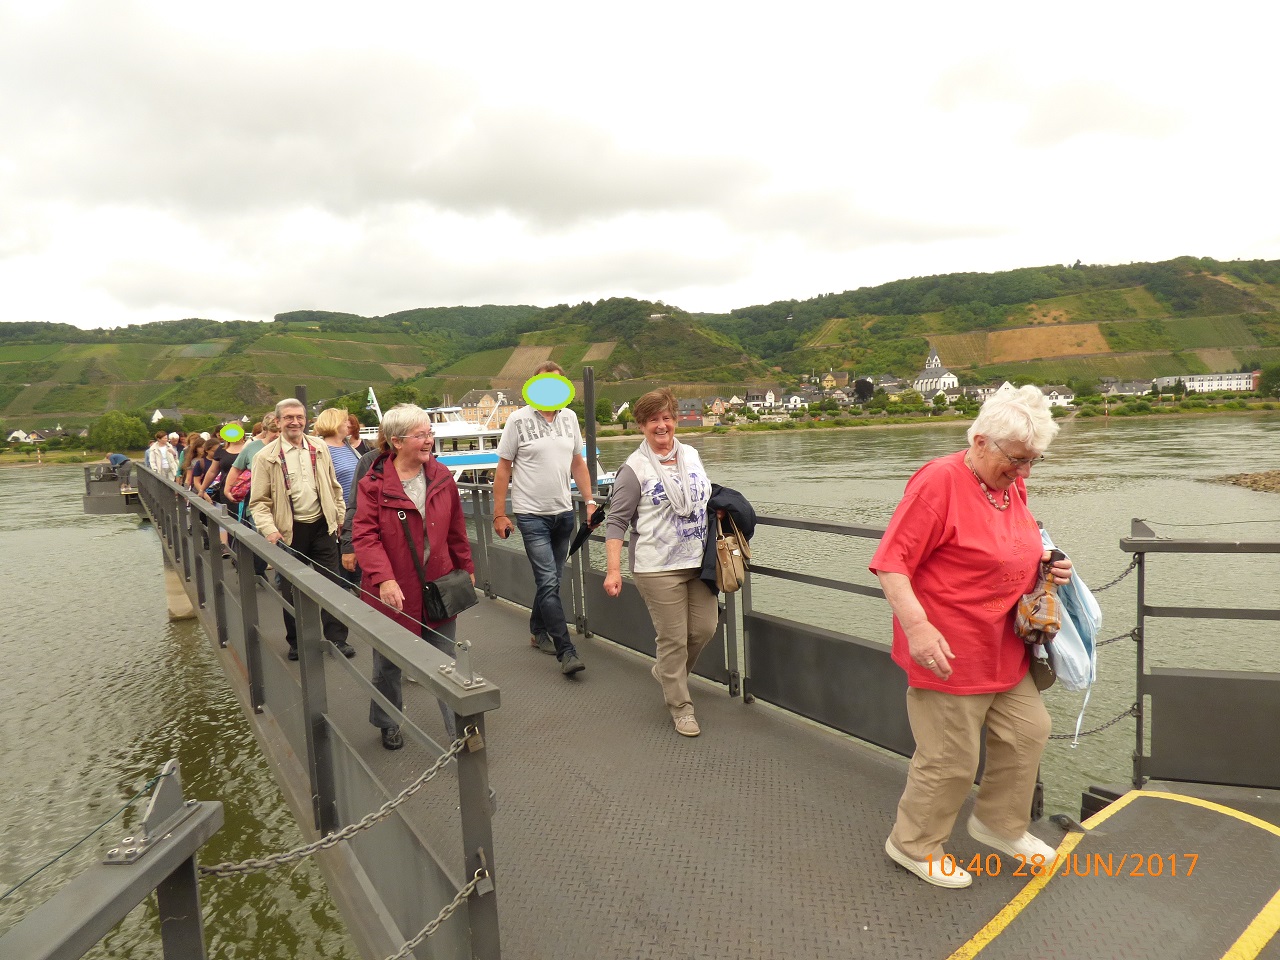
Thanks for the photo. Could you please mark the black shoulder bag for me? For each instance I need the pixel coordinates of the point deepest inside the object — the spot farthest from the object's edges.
(446, 597)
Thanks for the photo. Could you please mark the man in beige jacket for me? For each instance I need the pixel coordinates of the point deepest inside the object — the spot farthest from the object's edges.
(295, 497)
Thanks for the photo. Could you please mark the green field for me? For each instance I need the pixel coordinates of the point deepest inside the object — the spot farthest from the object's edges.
(486, 363)
(404, 351)
(27, 351)
(1131, 367)
(565, 334)
(1195, 332)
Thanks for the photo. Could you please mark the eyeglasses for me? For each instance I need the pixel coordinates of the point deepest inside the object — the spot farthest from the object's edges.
(1018, 461)
(423, 437)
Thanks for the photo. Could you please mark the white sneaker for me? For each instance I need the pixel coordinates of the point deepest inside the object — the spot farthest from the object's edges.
(955, 877)
(1026, 846)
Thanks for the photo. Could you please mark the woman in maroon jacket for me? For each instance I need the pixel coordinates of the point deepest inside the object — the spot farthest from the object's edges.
(406, 481)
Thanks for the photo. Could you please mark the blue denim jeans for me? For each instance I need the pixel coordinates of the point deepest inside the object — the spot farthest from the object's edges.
(546, 543)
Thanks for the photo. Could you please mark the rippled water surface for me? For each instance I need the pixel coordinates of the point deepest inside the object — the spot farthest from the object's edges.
(97, 691)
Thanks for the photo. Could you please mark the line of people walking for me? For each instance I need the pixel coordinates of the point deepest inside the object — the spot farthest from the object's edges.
(960, 551)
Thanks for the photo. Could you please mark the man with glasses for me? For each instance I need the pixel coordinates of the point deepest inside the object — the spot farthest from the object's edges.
(538, 453)
(295, 497)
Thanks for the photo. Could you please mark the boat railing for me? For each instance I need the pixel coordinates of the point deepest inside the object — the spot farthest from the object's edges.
(309, 734)
(1204, 725)
(158, 857)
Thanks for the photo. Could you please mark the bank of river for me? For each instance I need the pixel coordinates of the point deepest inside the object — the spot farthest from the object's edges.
(99, 688)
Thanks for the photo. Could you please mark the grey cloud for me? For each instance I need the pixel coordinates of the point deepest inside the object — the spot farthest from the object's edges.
(830, 221)
(1056, 113)
(149, 118)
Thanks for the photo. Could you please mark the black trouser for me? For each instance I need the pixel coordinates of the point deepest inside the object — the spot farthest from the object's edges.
(313, 541)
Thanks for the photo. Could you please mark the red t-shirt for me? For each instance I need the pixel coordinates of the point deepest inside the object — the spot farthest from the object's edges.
(969, 564)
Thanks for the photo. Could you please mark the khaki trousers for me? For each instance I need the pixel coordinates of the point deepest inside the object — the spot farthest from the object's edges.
(685, 615)
(947, 728)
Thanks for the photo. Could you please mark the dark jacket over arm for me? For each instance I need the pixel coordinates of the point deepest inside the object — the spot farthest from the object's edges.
(742, 514)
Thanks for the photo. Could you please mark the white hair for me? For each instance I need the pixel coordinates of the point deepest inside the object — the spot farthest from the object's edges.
(400, 419)
(288, 403)
(1018, 414)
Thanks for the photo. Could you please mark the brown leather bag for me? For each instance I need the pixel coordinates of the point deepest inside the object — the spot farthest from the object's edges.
(733, 558)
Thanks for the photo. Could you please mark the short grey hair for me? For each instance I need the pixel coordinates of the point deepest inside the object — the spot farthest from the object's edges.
(1020, 414)
(401, 419)
(287, 403)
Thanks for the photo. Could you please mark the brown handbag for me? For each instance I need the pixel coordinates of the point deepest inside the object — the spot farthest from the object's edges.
(733, 558)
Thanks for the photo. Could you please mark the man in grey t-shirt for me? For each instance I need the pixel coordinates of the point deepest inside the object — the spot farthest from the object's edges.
(538, 453)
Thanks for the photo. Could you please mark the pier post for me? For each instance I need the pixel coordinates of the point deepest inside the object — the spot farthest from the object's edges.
(175, 595)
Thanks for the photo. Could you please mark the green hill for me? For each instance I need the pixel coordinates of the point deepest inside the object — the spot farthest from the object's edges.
(1047, 324)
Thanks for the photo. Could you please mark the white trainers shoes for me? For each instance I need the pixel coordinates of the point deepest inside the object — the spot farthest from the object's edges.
(944, 873)
(1025, 847)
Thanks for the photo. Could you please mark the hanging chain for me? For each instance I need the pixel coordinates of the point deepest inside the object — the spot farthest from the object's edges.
(1131, 712)
(1133, 564)
(1131, 635)
(324, 843)
(445, 914)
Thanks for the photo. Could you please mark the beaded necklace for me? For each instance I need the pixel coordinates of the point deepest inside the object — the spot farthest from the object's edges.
(987, 490)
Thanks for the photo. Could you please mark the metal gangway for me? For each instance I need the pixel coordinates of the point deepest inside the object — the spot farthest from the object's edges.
(609, 836)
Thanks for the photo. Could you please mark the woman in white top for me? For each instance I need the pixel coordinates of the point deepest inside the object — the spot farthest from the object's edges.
(660, 495)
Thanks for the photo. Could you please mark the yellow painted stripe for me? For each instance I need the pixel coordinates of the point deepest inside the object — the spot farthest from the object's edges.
(1248, 946)
(1257, 934)
(1006, 916)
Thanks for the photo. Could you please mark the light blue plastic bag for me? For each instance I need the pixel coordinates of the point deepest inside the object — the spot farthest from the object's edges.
(1073, 652)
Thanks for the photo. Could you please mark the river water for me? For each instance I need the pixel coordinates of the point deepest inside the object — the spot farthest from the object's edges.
(99, 689)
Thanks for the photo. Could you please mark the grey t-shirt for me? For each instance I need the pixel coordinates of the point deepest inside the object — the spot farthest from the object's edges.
(541, 454)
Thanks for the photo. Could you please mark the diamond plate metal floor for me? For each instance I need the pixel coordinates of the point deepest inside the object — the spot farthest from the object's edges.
(615, 837)
(618, 838)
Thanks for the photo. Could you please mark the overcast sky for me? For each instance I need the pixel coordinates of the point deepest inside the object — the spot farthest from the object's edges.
(161, 160)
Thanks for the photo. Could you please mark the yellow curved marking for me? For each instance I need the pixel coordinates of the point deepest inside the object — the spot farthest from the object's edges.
(1249, 944)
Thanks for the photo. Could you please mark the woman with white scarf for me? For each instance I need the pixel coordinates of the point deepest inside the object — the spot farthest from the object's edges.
(660, 495)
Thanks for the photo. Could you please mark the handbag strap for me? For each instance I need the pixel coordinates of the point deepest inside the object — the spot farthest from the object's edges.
(408, 535)
(413, 547)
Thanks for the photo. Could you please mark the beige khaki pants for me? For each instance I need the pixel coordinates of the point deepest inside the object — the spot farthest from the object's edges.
(947, 730)
(685, 614)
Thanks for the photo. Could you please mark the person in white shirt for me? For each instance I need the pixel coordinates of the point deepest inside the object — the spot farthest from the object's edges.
(161, 457)
(538, 453)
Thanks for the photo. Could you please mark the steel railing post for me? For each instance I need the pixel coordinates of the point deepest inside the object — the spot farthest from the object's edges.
(247, 582)
(484, 574)
(1140, 700)
(746, 639)
(476, 809)
(731, 644)
(217, 567)
(315, 704)
(181, 922)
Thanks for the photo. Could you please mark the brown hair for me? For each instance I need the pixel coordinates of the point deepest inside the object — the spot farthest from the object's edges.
(257, 428)
(162, 435)
(353, 422)
(549, 366)
(655, 402)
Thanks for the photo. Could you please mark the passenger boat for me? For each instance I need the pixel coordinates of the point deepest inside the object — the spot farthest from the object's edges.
(469, 450)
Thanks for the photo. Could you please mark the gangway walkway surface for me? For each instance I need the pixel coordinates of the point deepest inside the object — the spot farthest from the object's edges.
(615, 837)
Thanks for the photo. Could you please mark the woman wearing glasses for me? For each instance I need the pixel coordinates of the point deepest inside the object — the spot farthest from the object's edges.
(961, 550)
(407, 503)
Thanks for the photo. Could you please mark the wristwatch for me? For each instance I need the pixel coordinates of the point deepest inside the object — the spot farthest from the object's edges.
(589, 502)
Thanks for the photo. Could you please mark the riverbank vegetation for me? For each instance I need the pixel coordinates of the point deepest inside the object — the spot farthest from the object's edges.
(1052, 324)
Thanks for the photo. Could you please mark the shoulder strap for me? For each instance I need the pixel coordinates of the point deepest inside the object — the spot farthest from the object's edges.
(413, 547)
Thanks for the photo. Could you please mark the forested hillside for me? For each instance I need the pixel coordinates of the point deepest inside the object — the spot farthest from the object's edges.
(1045, 324)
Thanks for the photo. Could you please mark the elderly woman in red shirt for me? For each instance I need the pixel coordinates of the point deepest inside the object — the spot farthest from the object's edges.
(961, 550)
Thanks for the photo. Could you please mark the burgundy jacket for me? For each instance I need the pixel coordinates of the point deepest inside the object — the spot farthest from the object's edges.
(378, 535)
